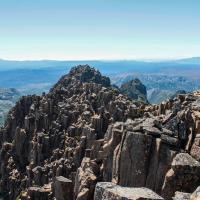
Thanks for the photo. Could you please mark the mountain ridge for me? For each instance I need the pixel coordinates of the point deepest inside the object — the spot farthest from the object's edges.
(67, 143)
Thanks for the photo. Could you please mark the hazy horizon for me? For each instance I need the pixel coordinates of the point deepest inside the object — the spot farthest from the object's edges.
(99, 30)
(106, 60)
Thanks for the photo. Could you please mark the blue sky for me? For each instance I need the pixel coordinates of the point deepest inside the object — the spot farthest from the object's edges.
(99, 29)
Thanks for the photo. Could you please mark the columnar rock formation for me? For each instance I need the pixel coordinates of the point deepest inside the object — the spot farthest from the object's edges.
(83, 132)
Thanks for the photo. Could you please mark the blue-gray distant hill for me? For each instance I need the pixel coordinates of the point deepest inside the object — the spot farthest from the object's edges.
(108, 66)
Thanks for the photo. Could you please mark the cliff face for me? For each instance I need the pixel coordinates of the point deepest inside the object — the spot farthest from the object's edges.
(60, 145)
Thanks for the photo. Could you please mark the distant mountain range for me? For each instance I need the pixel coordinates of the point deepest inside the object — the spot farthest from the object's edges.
(105, 65)
(25, 74)
(194, 60)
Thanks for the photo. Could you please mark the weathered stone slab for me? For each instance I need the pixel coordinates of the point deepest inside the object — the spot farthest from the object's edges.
(63, 188)
(39, 193)
(195, 150)
(110, 191)
(170, 140)
(181, 196)
(183, 176)
(159, 164)
(132, 160)
(184, 162)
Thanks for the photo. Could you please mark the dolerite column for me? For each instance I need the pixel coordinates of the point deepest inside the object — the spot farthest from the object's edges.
(97, 124)
(63, 188)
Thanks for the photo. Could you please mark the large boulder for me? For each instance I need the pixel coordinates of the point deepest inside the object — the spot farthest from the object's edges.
(110, 191)
(86, 179)
(63, 188)
(183, 175)
(129, 169)
(39, 193)
(181, 196)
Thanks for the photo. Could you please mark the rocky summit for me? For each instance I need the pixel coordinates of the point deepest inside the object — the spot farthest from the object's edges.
(84, 140)
(135, 90)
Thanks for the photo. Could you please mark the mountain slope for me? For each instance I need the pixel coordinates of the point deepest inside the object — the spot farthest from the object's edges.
(61, 144)
(135, 90)
(43, 130)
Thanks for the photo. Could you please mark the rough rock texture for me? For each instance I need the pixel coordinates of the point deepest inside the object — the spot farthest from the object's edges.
(196, 194)
(135, 90)
(107, 191)
(61, 144)
(183, 175)
(37, 193)
(181, 196)
(86, 179)
(48, 136)
(63, 188)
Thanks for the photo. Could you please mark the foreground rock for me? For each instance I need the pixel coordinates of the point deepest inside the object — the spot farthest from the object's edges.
(183, 176)
(196, 194)
(107, 191)
(63, 188)
(37, 193)
(181, 196)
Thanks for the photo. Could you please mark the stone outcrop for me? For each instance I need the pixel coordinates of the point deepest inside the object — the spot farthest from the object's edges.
(37, 193)
(64, 144)
(107, 191)
(86, 179)
(135, 90)
(183, 175)
(181, 196)
(63, 188)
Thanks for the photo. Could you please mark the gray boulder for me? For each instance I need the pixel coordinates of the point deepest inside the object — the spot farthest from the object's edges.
(63, 188)
(110, 191)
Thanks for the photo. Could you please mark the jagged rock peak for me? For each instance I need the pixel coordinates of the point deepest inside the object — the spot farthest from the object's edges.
(84, 73)
(135, 90)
